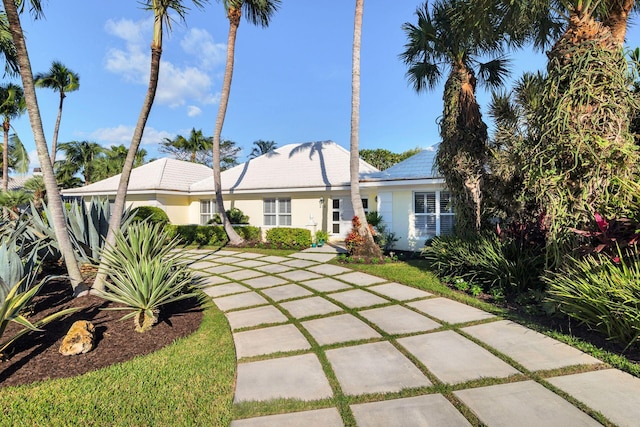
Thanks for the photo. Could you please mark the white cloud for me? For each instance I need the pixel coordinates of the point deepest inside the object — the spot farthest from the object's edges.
(193, 111)
(123, 134)
(177, 84)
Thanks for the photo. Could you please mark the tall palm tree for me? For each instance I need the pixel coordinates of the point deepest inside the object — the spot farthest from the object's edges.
(12, 105)
(62, 80)
(160, 10)
(194, 149)
(112, 161)
(7, 48)
(55, 201)
(257, 12)
(369, 248)
(437, 43)
(83, 155)
(262, 147)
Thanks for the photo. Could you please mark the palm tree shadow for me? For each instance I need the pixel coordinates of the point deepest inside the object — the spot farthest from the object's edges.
(245, 168)
(315, 147)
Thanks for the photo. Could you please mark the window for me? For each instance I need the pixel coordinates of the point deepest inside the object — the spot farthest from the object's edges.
(207, 210)
(434, 214)
(277, 212)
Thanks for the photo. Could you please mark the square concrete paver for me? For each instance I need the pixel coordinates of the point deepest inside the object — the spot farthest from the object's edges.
(242, 274)
(358, 298)
(201, 265)
(255, 316)
(269, 340)
(399, 292)
(250, 263)
(248, 255)
(295, 377)
(450, 311)
(430, 410)
(454, 359)
(299, 263)
(329, 417)
(329, 269)
(228, 260)
(210, 280)
(225, 252)
(299, 275)
(360, 279)
(246, 299)
(264, 282)
(613, 393)
(314, 257)
(227, 289)
(399, 320)
(274, 268)
(326, 284)
(524, 404)
(281, 293)
(341, 328)
(374, 368)
(533, 350)
(313, 306)
(221, 269)
(274, 258)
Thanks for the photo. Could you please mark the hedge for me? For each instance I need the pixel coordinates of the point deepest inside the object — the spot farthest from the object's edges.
(212, 235)
(294, 238)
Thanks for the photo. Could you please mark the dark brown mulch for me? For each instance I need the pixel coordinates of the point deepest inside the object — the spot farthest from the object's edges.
(35, 356)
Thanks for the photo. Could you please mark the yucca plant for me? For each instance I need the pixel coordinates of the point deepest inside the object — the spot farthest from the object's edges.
(13, 302)
(146, 274)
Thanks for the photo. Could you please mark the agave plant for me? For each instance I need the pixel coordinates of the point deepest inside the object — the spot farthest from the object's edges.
(146, 274)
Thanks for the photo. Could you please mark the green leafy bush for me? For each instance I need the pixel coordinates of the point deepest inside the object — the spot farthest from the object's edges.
(209, 235)
(146, 273)
(249, 233)
(152, 214)
(384, 238)
(322, 235)
(294, 238)
(236, 216)
(602, 293)
(492, 263)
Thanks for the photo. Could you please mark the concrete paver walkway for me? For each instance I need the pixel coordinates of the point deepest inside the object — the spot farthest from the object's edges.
(349, 348)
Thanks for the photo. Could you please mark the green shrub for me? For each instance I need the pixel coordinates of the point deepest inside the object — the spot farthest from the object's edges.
(602, 293)
(294, 238)
(236, 216)
(492, 263)
(152, 214)
(322, 235)
(211, 235)
(249, 233)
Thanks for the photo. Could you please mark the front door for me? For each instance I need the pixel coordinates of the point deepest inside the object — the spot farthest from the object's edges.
(342, 214)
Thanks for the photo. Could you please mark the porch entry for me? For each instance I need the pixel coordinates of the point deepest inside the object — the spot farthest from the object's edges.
(342, 214)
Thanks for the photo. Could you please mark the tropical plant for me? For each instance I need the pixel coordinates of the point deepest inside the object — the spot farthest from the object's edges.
(112, 159)
(602, 293)
(257, 12)
(35, 185)
(382, 159)
(26, 75)
(60, 79)
(18, 265)
(81, 157)
(18, 155)
(611, 235)
(262, 147)
(194, 149)
(322, 236)
(12, 200)
(383, 237)
(160, 10)
(152, 214)
(7, 48)
(236, 216)
(368, 247)
(146, 274)
(12, 106)
(439, 41)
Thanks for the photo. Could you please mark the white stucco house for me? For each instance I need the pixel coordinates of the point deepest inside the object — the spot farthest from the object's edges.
(297, 185)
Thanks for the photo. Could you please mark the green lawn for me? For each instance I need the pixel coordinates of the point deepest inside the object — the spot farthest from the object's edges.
(189, 383)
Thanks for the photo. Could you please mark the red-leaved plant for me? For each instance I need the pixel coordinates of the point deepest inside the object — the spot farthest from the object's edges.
(612, 233)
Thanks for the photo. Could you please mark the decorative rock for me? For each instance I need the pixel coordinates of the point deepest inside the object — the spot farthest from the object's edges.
(79, 339)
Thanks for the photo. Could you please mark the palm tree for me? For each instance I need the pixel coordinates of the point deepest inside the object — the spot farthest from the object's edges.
(7, 48)
(438, 42)
(62, 80)
(369, 248)
(35, 185)
(193, 149)
(257, 12)
(12, 200)
(262, 147)
(55, 201)
(112, 161)
(18, 155)
(11, 106)
(82, 156)
(160, 9)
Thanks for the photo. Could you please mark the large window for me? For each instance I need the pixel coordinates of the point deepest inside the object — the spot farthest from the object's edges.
(277, 212)
(207, 210)
(433, 213)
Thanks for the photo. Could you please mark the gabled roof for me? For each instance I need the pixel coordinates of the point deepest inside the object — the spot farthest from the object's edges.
(160, 175)
(293, 167)
(418, 166)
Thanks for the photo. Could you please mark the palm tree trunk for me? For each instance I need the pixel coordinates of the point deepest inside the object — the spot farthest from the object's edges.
(119, 204)
(54, 141)
(369, 248)
(234, 22)
(5, 157)
(55, 201)
(617, 19)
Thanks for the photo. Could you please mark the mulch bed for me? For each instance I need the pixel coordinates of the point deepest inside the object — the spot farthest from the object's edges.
(35, 357)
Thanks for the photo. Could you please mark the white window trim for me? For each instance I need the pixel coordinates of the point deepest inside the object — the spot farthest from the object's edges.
(204, 217)
(277, 214)
(438, 215)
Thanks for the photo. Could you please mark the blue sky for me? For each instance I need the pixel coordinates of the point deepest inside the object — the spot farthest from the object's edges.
(292, 80)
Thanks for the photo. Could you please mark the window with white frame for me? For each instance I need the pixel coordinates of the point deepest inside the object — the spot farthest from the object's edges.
(207, 210)
(433, 213)
(277, 212)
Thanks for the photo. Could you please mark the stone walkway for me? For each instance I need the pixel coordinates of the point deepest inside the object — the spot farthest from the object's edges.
(329, 346)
